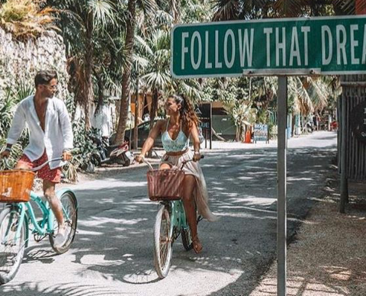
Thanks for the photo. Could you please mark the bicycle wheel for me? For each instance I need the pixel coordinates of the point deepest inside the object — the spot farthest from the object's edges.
(186, 238)
(162, 242)
(11, 247)
(70, 211)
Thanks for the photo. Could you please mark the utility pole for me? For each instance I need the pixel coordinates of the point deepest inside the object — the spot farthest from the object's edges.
(135, 131)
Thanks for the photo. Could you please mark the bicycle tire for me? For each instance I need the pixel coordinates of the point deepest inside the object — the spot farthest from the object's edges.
(186, 238)
(162, 242)
(71, 223)
(11, 251)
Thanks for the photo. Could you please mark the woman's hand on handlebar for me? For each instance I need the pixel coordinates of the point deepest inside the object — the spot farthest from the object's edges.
(197, 156)
(139, 158)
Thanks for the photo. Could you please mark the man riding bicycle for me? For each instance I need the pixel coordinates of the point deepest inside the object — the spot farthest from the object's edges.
(50, 136)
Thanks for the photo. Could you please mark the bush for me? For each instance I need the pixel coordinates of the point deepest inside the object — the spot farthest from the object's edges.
(25, 18)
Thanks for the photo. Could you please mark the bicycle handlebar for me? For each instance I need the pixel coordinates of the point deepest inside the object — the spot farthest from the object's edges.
(183, 162)
(43, 164)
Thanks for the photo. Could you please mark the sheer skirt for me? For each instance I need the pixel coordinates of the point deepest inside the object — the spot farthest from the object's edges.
(200, 192)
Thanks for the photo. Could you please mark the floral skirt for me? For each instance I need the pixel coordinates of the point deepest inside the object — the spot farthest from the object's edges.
(200, 192)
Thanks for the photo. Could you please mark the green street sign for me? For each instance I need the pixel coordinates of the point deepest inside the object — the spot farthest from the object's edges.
(295, 46)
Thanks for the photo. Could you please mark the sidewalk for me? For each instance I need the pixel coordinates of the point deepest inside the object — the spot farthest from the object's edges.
(328, 256)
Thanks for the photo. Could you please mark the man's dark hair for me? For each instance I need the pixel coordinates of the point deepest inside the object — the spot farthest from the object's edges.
(44, 77)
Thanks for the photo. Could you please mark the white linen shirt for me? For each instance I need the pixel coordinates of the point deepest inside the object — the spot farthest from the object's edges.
(56, 137)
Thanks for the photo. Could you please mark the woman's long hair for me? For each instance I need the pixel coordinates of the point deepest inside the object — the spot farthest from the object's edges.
(187, 113)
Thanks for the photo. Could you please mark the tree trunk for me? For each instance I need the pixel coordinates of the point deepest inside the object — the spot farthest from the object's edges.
(88, 93)
(153, 109)
(100, 95)
(130, 31)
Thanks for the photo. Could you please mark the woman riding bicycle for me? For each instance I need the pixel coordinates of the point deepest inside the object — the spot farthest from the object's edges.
(175, 132)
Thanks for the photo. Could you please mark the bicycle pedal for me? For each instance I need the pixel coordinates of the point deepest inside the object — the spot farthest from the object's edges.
(38, 238)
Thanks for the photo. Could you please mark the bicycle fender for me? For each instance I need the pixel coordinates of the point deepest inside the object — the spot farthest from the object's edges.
(60, 192)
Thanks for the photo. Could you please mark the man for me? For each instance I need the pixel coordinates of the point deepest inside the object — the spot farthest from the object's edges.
(50, 137)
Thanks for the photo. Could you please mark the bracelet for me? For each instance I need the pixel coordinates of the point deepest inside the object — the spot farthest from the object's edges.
(197, 152)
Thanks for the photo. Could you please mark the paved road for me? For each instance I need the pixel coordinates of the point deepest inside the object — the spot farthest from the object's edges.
(112, 254)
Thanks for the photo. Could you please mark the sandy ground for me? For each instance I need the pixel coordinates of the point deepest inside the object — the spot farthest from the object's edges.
(328, 256)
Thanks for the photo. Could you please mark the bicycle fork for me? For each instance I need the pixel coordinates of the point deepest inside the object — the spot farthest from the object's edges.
(13, 223)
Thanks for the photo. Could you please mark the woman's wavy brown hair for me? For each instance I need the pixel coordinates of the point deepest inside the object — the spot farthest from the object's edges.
(189, 116)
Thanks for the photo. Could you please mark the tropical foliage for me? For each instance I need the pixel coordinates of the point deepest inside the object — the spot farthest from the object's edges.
(26, 18)
(110, 43)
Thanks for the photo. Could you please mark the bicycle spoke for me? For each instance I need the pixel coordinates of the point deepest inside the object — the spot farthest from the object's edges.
(69, 209)
(12, 244)
(162, 242)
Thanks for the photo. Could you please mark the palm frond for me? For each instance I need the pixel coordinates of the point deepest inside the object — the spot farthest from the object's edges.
(290, 8)
(144, 46)
(148, 6)
(347, 7)
(225, 10)
(104, 11)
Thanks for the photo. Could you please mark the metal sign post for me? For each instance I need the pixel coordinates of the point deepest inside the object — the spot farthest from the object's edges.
(281, 187)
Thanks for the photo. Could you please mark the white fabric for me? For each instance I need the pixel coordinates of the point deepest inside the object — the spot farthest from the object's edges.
(103, 121)
(200, 193)
(56, 137)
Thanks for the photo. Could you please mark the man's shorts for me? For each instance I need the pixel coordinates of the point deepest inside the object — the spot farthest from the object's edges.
(44, 173)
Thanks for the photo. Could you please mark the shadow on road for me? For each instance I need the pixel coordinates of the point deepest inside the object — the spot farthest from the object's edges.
(115, 225)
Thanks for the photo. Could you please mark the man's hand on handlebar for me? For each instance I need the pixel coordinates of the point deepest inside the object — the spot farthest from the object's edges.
(66, 155)
(5, 154)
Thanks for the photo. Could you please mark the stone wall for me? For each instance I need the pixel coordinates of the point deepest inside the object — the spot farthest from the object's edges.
(19, 61)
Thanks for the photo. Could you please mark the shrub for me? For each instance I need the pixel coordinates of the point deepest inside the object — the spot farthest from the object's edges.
(25, 18)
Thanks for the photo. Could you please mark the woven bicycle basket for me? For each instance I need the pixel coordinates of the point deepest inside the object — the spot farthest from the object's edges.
(165, 184)
(15, 185)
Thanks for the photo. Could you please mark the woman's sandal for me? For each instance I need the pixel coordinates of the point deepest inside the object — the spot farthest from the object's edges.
(197, 246)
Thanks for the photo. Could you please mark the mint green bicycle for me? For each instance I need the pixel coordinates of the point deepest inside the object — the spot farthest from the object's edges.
(170, 223)
(18, 219)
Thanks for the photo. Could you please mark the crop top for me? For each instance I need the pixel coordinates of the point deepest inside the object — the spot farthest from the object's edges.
(181, 143)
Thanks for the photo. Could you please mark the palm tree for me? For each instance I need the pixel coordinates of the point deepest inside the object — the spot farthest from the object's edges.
(156, 74)
(148, 7)
(243, 9)
(81, 21)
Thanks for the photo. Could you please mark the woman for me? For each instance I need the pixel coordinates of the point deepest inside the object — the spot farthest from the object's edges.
(175, 132)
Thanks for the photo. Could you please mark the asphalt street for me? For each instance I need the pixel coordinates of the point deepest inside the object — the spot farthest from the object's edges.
(112, 253)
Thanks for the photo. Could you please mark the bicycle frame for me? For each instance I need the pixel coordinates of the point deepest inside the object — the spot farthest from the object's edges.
(178, 216)
(43, 226)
